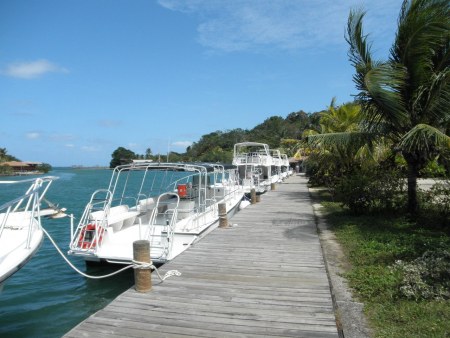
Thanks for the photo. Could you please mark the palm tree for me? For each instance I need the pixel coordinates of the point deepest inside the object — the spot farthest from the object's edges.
(406, 99)
(339, 138)
(335, 150)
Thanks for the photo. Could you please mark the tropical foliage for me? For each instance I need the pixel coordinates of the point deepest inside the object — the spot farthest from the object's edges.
(277, 132)
(334, 147)
(405, 100)
(401, 111)
(5, 157)
(121, 156)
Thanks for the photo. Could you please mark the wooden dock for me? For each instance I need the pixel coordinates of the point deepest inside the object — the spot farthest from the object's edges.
(262, 277)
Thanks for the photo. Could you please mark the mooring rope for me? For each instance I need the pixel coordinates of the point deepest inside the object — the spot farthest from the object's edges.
(145, 265)
(134, 265)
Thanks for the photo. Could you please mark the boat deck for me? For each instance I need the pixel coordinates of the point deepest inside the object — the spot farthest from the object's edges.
(264, 276)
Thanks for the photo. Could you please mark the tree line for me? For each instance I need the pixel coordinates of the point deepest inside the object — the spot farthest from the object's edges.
(276, 131)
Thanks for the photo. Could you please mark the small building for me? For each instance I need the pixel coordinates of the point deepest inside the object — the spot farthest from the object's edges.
(22, 167)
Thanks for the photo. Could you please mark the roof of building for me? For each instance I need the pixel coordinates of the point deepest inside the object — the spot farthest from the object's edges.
(20, 164)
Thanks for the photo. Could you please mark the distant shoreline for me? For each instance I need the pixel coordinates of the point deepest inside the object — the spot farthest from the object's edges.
(83, 167)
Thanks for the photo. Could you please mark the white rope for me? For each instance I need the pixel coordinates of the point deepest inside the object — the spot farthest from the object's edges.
(145, 265)
(75, 268)
(134, 265)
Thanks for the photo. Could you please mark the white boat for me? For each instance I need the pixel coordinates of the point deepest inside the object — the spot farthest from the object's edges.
(254, 163)
(286, 170)
(20, 224)
(169, 204)
(277, 176)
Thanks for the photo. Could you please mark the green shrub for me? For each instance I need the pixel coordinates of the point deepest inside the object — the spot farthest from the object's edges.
(434, 169)
(44, 168)
(368, 190)
(427, 277)
(435, 204)
(5, 170)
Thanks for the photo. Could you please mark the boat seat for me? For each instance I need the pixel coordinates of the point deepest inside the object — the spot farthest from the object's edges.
(118, 217)
(185, 208)
(147, 204)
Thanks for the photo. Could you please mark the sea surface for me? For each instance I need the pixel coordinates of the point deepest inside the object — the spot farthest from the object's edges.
(47, 298)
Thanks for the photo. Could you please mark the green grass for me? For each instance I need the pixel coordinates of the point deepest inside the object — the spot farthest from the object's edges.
(373, 243)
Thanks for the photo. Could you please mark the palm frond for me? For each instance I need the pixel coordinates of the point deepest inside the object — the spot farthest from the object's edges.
(359, 47)
(422, 43)
(308, 132)
(374, 153)
(384, 85)
(437, 100)
(342, 140)
(424, 138)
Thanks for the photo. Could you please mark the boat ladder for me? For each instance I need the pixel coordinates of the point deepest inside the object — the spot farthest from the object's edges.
(161, 226)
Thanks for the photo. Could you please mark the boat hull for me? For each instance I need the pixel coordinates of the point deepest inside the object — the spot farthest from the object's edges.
(14, 253)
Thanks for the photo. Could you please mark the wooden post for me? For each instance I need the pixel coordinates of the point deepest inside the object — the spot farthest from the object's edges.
(223, 221)
(142, 276)
(253, 196)
(272, 186)
(258, 198)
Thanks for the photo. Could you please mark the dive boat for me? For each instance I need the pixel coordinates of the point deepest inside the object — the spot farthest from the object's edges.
(285, 168)
(171, 205)
(253, 161)
(277, 176)
(21, 233)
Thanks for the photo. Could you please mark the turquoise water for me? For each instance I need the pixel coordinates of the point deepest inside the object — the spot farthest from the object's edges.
(46, 298)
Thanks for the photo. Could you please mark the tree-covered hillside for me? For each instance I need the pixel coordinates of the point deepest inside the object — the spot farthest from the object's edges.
(275, 131)
(278, 132)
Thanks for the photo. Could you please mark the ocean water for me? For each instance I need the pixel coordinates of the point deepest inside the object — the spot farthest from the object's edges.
(46, 298)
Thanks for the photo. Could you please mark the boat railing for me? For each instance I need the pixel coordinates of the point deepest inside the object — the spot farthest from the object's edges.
(14, 217)
(247, 158)
(98, 216)
(240, 159)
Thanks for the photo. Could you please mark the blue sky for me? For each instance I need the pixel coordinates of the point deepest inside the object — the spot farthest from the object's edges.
(79, 78)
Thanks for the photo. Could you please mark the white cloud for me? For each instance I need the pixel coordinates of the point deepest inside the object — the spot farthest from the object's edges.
(283, 24)
(33, 135)
(33, 69)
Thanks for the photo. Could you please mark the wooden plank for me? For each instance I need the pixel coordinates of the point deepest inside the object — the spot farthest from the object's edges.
(264, 276)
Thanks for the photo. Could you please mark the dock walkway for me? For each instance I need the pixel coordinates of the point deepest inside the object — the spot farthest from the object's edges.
(264, 276)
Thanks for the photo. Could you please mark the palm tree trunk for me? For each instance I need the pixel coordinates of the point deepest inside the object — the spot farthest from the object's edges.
(413, 172)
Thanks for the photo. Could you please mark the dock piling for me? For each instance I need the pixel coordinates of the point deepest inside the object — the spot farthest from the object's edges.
(142, 275)
(223, 220)
(253, 196)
